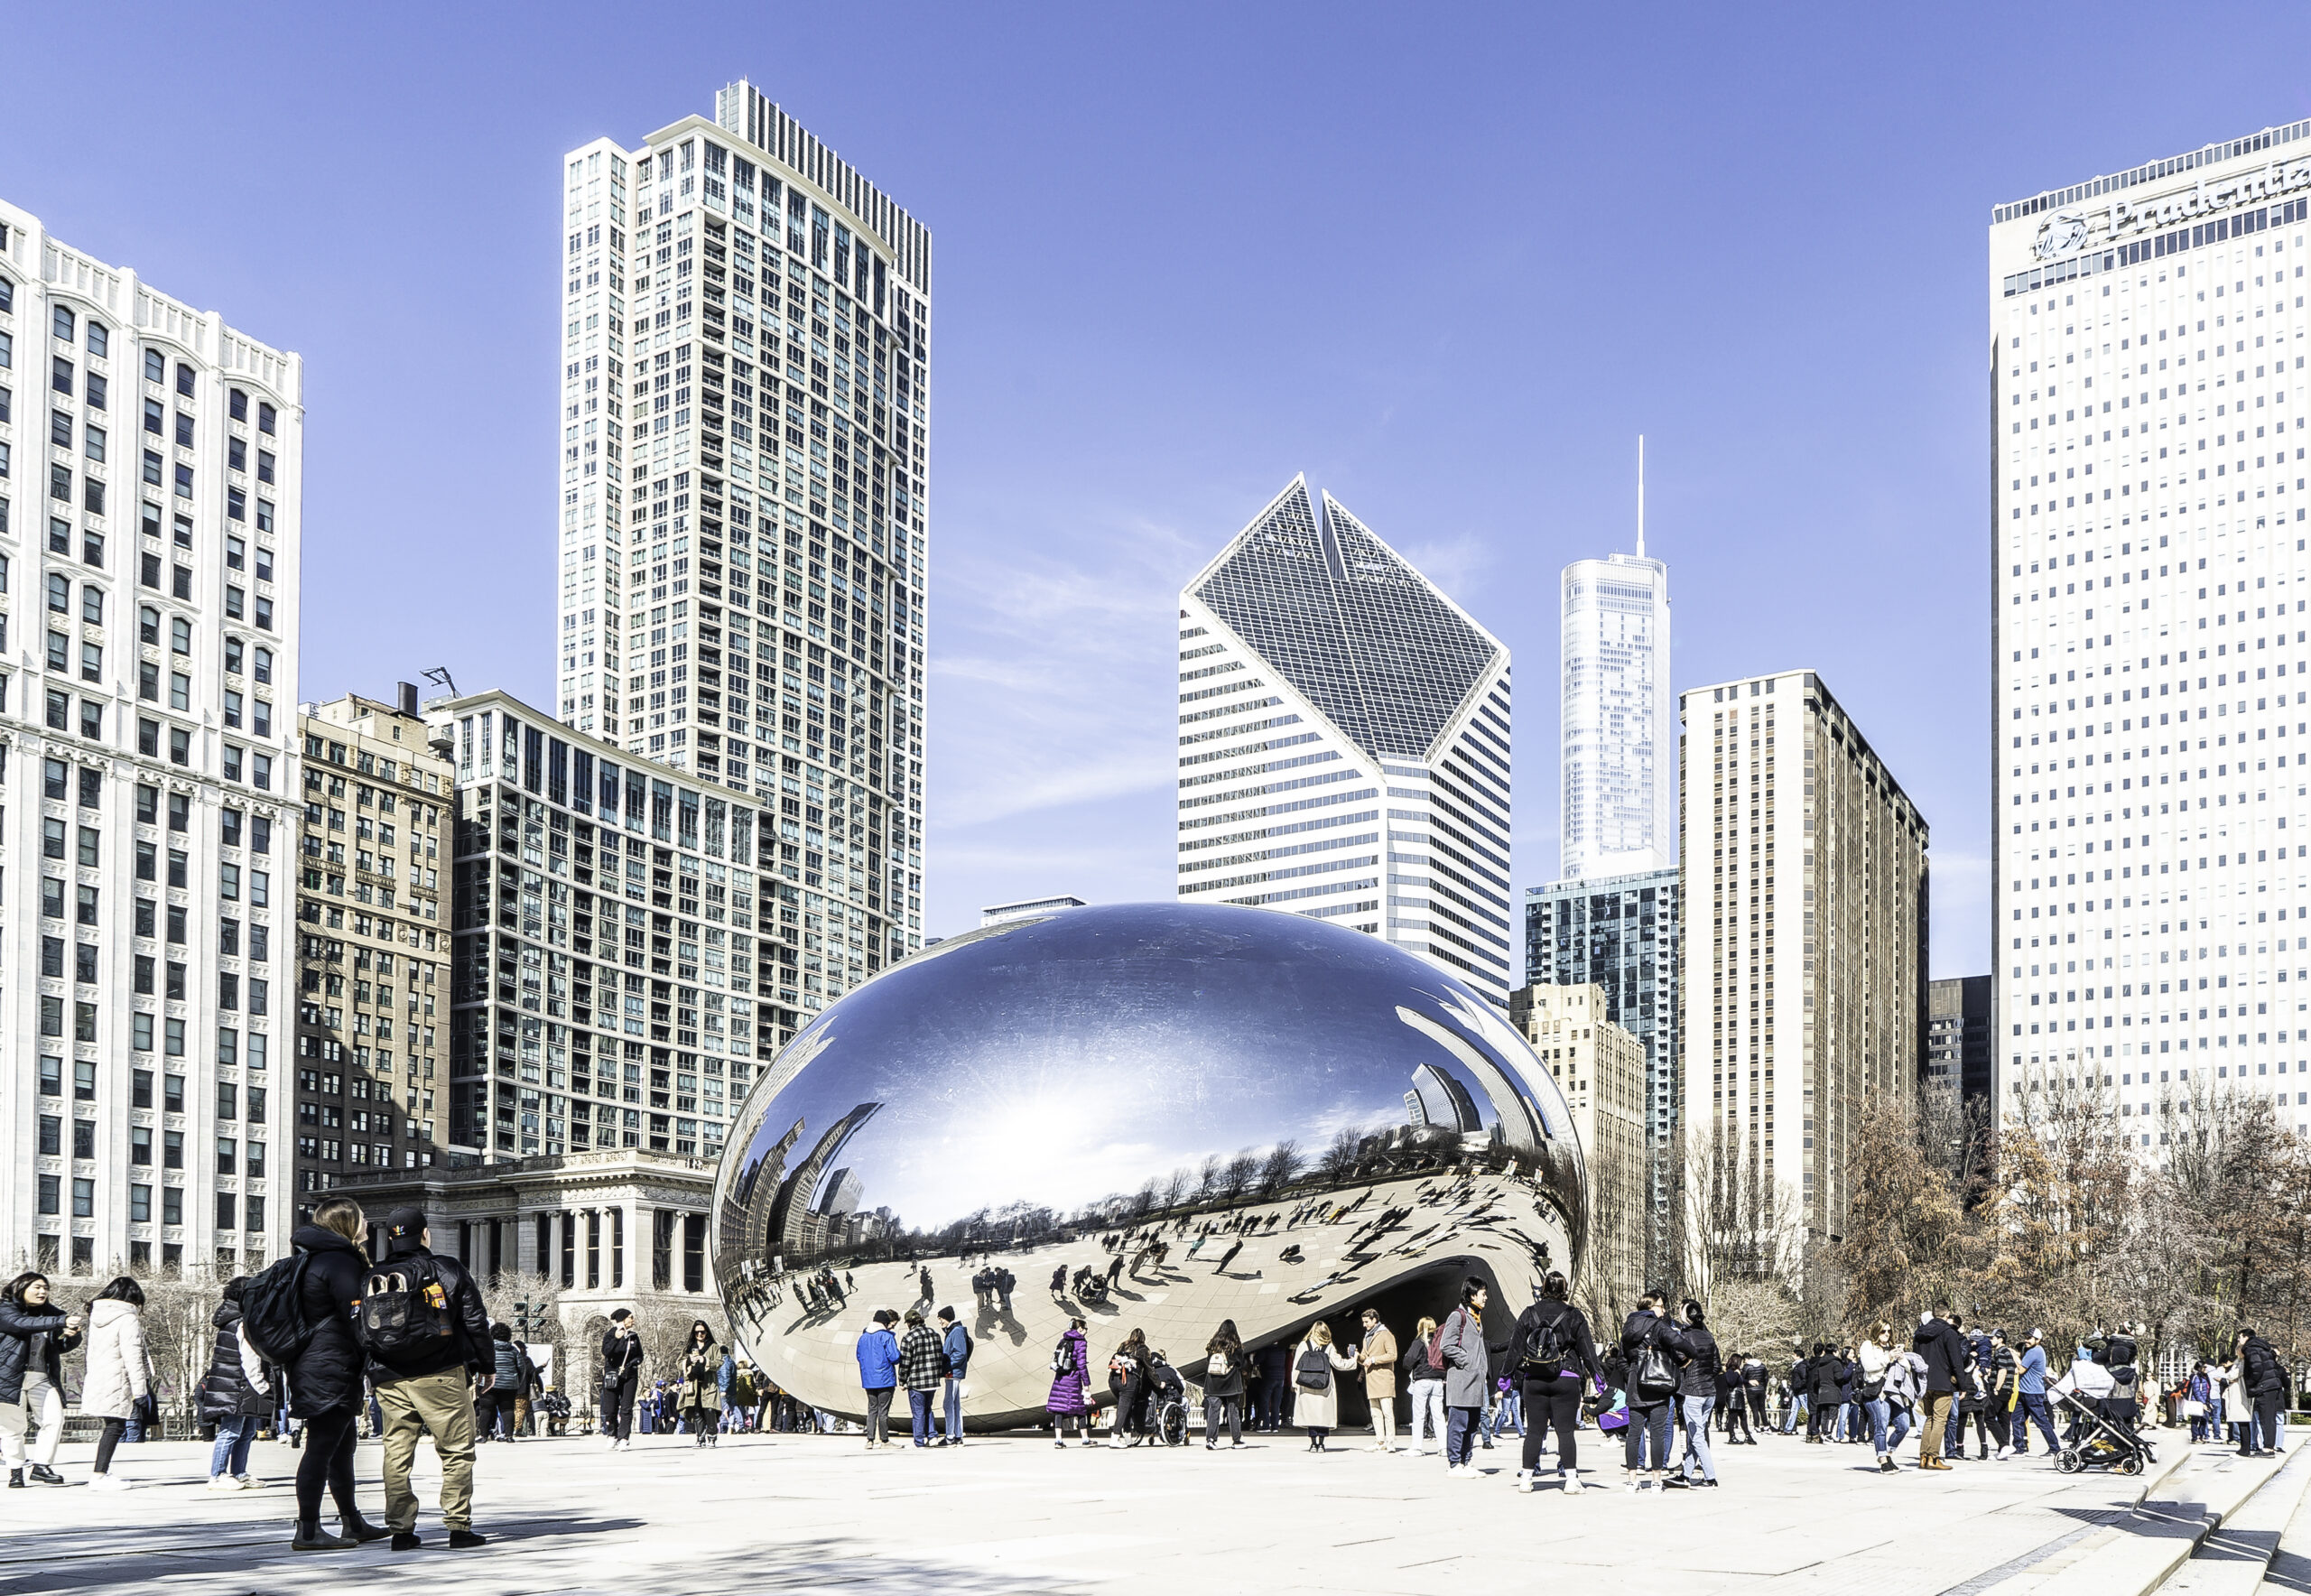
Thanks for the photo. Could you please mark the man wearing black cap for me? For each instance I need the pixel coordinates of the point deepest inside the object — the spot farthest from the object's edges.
(621, 1377)
(420, 1369)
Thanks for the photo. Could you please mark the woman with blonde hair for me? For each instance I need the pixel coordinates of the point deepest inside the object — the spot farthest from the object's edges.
(325, 1381)
(1315, 1384)
(1425, 1378)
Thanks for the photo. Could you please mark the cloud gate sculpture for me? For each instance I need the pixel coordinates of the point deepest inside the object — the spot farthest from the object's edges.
(1154, 1115)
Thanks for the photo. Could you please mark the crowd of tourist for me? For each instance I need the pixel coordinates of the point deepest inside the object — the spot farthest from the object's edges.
(359, 1325)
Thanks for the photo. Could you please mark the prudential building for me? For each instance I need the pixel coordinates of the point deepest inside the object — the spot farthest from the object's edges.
(2150, 633)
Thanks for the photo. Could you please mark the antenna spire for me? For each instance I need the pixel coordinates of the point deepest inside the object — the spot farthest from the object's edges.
(1640, 496)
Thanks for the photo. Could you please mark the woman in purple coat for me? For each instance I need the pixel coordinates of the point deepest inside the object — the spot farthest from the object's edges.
(1070, 1380)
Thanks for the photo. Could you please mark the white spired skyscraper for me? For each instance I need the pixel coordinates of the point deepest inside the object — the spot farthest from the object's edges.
(2148, 589)
(746, 328)
(1619, 748)
(1344, 742)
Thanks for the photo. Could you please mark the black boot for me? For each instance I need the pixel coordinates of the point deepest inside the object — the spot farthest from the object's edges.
(360, 1530)
(15, 1479)
(46, 1475)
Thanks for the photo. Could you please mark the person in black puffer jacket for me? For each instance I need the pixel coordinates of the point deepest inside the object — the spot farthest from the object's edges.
(325, 1380)
(236, 1394)
(1696, 1396)
(1830, 1375)
(2267, 1384)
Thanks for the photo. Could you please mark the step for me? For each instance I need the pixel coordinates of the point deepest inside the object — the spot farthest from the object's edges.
(2206, 1489)
(2235, 1555)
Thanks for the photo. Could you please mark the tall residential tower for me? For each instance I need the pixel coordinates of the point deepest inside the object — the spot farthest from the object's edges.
(1344, 742)
(1794, 825)
(2146, 592)
(151, 461)
(744, 419)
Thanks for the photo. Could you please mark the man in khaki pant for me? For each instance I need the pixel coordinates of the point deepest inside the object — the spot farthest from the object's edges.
(1945, 1354)
(423, 1381)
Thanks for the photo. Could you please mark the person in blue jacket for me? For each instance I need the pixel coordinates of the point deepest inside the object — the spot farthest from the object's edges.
(726, 1381)
(955, 1341)
(878, 1375)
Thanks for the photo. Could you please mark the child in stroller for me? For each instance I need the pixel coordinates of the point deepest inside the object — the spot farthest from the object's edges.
(2097, 1439)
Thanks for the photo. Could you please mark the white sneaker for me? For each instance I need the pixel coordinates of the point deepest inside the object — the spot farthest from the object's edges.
(107, 1482)
(1524, 1482)
(1571, 1477)
(225, 1482)
(2005, 1452)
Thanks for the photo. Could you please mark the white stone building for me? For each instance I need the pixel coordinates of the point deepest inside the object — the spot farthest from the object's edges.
(2148, 589)
(150, 462)
(1344, 742)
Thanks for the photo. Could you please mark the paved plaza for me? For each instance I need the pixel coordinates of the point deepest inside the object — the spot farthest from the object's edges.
(1017, 1515)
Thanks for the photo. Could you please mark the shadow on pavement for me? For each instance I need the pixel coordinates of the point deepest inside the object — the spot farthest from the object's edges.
(565, 1554)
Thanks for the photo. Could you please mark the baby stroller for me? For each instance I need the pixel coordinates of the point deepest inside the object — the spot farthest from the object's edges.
(2100, 1441)
(1167, 1403)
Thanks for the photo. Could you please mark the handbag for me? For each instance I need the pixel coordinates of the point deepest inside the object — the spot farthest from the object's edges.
(1652, 1378)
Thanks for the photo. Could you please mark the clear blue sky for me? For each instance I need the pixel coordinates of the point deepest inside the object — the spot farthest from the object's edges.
(1447, 260)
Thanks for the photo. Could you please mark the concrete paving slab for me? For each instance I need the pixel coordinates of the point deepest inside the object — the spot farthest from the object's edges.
(1015, 1514)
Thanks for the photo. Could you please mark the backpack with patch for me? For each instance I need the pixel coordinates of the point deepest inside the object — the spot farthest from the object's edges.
(1546, 1347)
(405, 1312)
(1314, 1371)
(1063, 1358)
(272, 1310)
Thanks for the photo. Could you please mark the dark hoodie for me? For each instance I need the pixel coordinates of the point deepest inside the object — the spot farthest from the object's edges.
(327, 1374)
(467, 1344)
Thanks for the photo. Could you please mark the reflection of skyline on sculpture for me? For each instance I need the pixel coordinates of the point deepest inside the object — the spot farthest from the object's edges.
(1034, 1086)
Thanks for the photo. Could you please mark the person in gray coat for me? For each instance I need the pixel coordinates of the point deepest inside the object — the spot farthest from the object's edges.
(1468, 1372)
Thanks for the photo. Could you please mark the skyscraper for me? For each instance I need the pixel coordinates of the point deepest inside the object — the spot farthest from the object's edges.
(1623, 934)
(1818, 823)
(746, 339)
(148, 768)
(2146, 525)
(1344, 742)
(1619, 759)
(1612, 920)
(373, 947)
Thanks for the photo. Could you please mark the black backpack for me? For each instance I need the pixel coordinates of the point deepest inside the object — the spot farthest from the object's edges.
(1546, 1347)
(405, 1311)
(272, 1310)
(1315, 1370)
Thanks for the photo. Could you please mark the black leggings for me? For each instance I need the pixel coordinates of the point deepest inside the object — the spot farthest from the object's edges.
(327, 1459)
(1553, 1404)
(1735, 1412)
(109, 1438)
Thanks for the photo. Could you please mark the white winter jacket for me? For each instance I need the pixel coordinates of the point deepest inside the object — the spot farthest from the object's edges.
(120, 1370)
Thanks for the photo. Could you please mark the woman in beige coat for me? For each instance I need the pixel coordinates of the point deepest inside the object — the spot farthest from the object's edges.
(1378, 1358)
(1318, 1412)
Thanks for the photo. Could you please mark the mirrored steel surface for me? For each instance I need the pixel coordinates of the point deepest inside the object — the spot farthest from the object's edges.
(1154, 1115)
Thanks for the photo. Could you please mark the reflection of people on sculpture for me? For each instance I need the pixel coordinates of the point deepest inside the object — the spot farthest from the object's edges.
(1228, 1257)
